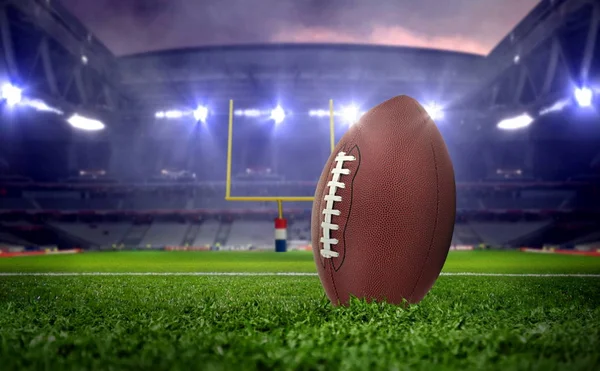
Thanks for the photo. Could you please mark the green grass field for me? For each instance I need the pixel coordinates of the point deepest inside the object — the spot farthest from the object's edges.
(185, 322)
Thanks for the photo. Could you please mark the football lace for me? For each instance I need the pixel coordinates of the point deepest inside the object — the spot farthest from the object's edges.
(327, 226)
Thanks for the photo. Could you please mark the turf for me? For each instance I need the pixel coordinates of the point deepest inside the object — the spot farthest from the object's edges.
(157, 261)
(247, 323)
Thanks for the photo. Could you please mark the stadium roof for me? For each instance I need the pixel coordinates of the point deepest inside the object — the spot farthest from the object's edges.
(296, 73)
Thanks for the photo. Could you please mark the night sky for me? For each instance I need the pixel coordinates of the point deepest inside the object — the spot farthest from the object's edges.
(133, 26)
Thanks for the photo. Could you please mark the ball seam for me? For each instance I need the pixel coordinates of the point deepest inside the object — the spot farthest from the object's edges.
(351, 187)
(437, 212)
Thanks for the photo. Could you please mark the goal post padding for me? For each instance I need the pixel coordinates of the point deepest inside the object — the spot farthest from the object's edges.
(280, 235)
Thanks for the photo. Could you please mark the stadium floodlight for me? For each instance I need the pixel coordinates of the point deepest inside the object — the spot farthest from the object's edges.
(517, 122)
(584, 96)
(160, 115)
(247, 112)
(173, 114)
(85, 123)
(201, 114)
(251, 112)
(278, 115)
(40, 105)
(435, 111)
(556, 107)
(318, 113)
(11, 94)
(350, 114)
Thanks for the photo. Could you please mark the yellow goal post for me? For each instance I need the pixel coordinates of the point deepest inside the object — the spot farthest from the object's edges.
(278, 199)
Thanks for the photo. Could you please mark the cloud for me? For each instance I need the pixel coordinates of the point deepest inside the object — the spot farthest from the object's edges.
(381, 35)
(130, 26)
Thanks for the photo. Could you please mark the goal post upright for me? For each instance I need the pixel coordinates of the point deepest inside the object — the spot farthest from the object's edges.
(331, 126)
(229, 149)
(280, 221)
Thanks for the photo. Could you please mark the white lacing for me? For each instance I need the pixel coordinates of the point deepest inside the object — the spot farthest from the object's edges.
(329, 211)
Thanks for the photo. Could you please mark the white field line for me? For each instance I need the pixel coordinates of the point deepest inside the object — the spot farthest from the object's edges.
(252, 274)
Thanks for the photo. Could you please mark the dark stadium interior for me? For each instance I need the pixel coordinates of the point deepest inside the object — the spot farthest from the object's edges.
(143, 168)
(115, 126)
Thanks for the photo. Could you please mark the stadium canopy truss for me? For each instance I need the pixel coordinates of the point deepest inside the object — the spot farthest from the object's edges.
(51, 56)
(537, 68)
(48, 52)
(301, 74)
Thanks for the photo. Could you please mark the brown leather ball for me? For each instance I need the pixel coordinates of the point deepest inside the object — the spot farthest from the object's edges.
(384, 207)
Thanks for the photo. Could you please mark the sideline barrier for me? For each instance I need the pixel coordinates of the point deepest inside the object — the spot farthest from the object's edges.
(4, 254)
(461, 248)
(187, 248)
(561, 252)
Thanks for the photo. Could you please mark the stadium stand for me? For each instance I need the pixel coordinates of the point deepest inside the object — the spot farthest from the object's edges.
(524, 200)
(76, 204)
(16, 204)
(135, 234)
(60, 204)
(9, 239)
(588, 239)
(196, 214)
(465, 235)
(102, 204)
(299, 229)
(164, 234)
(222, 235)
(207, 233)
(500, 234)
(101, 235)
(468, 202)
(249, 232)
(148, 201)
(191, 233)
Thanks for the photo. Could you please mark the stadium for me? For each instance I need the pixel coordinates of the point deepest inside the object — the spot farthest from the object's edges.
(155, 208)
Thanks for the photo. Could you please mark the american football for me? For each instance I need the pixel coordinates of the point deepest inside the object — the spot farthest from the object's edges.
(384, 208)
(300, 185)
